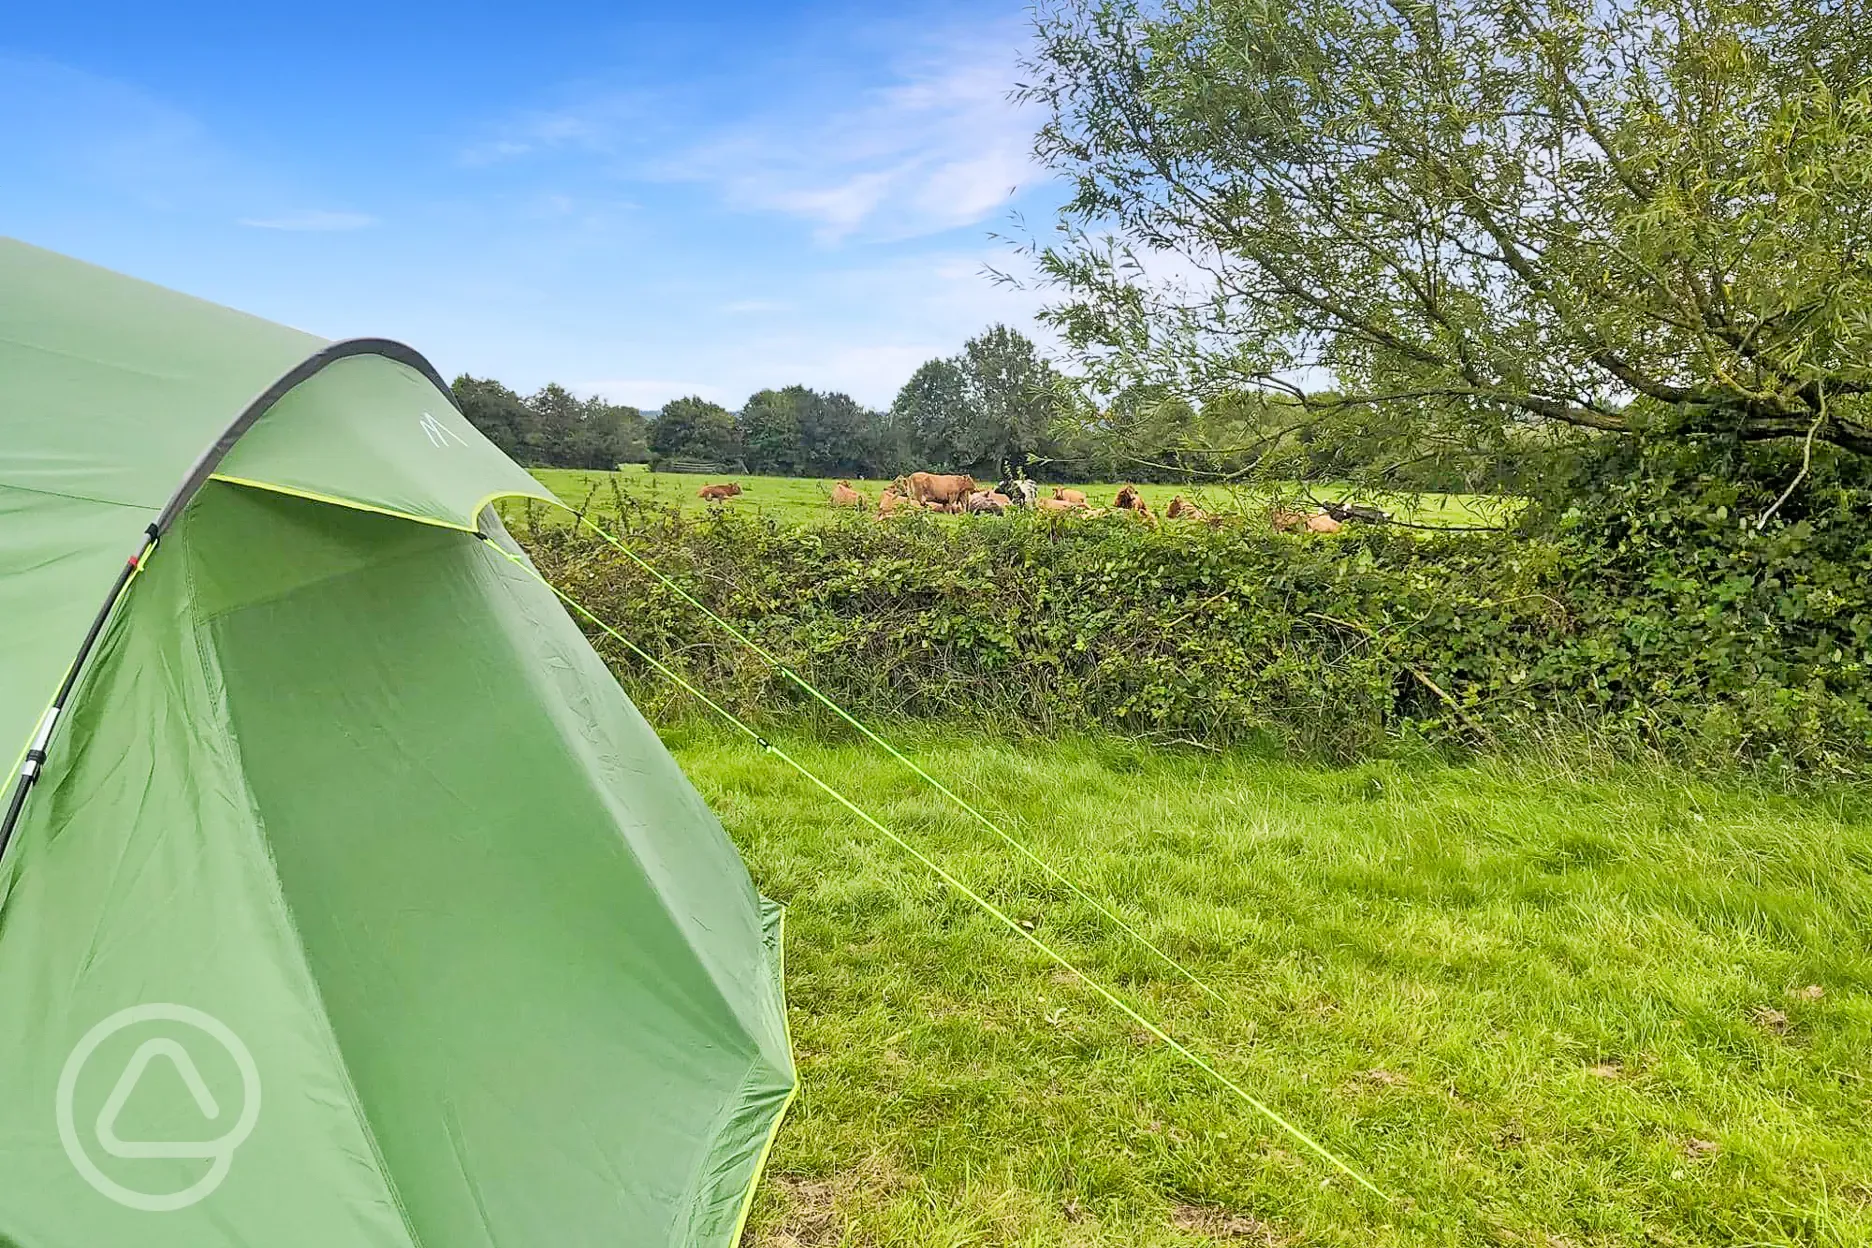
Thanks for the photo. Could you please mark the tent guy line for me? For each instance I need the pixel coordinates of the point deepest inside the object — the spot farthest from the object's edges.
(1112, 998)
(812, 690)
(36, 756)
(330, 497)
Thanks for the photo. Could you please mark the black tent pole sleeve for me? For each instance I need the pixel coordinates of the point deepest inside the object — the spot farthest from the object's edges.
(263, 402)
(42, 733)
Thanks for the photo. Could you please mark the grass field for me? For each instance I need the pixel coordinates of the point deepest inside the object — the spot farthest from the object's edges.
(797, 500)
(1540, 1002)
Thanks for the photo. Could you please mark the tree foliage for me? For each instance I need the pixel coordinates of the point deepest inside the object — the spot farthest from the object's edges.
(994, 404)
(553, 428)
(693, 428)
(1499, 225)
(798, 431)
(935, 414)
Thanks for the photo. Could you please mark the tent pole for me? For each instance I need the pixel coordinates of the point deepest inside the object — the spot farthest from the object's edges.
(261, 404)
(42, 735)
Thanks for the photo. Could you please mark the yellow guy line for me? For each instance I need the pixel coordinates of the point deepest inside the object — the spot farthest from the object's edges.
(1020, 846)
(1116, 1001)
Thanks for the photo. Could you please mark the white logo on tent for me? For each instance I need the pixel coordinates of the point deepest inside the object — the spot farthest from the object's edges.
(440, 434)
(219, 1153)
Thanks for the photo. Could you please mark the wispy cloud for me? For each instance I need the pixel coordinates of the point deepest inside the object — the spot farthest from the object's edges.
(58, 122)
(598, 123)
(936, 143)
(832, 338)
(939, 147)
(312, 220)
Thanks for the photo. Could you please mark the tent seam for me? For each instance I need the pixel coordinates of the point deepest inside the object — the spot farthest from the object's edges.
(79, 498)
(573, 744)
(333, 500)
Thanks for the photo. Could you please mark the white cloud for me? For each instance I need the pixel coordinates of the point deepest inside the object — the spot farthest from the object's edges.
(861, 329)
(312, 220)
(58, 121)
(594, 125)
(939, 147)
(875, 372)
(937, 144)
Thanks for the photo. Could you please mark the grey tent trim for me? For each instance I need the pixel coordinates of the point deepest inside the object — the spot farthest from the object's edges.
(263, 402)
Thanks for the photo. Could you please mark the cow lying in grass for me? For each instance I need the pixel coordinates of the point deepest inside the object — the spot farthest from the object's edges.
(719, 493)
(1285, 520)
(1130, 500)
(1180, 510)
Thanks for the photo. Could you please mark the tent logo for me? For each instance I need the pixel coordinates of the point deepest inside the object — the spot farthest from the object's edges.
(153, 1051)
(438, 433)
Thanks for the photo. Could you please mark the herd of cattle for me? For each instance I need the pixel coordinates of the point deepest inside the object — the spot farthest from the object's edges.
(959, 493)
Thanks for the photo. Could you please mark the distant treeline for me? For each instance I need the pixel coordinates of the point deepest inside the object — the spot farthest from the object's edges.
(553, 428)
(993, 407)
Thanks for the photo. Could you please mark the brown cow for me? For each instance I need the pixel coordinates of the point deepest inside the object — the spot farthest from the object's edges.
(1076, 498)
(717, 493)
(1285, 519)
(1057, 504)
(893, 499)
(987, 503)
(1180, 510)
(1130, 500)
(932, 487)
(844, 496)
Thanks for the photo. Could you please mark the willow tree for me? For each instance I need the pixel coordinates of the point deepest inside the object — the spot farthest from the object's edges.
(1471, 223)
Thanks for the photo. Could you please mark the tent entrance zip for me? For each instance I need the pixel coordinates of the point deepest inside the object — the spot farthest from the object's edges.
(35, 756)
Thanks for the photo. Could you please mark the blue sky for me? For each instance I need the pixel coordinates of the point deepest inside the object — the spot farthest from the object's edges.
(634, 200)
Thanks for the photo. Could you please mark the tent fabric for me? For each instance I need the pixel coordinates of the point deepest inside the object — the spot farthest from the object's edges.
(344, 782)
(112, 390)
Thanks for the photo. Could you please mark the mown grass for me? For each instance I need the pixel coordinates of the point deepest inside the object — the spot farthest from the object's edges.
(1539, 1000)
(804, 500)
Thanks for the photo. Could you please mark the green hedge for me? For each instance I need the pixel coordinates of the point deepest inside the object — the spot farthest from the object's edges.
(1677, 629)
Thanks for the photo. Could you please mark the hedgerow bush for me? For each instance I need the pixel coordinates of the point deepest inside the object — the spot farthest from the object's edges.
(1670, 623)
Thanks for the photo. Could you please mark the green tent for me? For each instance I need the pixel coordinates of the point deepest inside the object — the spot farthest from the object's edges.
(352, 904)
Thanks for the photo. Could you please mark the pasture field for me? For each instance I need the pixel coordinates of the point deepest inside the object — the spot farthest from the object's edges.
(1540, 1000)
(802, 500)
